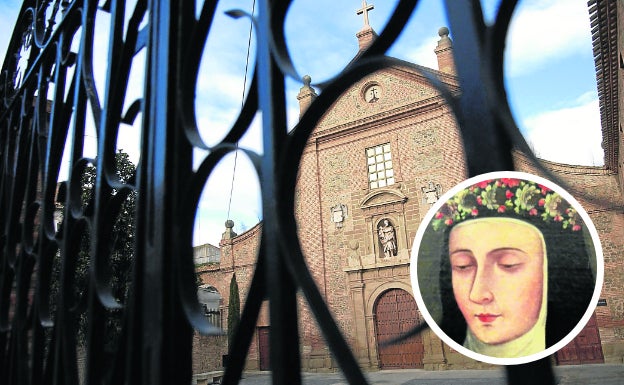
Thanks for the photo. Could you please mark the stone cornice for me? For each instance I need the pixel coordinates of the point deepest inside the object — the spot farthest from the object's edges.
(382, 196)
(381, 118)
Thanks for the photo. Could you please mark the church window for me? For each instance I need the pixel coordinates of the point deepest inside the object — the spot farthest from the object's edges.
(379, 160)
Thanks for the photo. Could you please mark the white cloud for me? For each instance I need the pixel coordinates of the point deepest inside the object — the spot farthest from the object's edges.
(213, 206)
(321, 36)
(423, 54)
(222, 86)
(214, 124)
(569, 135)
(207, 232)
(542, 30)
(252, 140)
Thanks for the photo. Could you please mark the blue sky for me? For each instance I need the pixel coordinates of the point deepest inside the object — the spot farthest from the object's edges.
(549, 71)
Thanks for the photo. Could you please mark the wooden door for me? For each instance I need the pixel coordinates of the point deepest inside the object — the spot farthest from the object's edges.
(584, 349)
(395, 314)
(263, 348)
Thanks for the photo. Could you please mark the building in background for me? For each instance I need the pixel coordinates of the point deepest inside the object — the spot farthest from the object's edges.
(377, 161)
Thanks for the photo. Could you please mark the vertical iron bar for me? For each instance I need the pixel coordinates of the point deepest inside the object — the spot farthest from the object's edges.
(166, 335)
(284, 336)
(481, 133)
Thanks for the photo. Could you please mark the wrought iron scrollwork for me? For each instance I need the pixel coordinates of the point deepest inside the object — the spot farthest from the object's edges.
(37, 343)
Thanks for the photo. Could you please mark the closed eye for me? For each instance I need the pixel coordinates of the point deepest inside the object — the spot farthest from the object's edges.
(509, 266)
(462, 261)
(462, 267)
(509, 259)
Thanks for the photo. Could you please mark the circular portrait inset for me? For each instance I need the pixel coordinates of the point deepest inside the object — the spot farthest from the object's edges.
(507, 268)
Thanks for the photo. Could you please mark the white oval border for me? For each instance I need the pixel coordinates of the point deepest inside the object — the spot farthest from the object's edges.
(599, 267)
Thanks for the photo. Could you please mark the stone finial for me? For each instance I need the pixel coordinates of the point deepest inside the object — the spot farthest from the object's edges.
(444, 52)
(228, 233)
(307, 80)
(443, 32)
(306, 95)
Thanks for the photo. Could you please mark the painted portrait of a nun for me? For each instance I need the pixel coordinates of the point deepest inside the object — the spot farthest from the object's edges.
(516, 268)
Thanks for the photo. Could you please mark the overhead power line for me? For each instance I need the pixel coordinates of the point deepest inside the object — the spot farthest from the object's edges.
(253, 8)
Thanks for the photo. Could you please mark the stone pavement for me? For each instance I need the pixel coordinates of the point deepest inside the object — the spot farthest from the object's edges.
(605, 374)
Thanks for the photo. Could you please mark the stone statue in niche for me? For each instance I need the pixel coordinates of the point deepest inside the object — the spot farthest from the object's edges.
(387, 238)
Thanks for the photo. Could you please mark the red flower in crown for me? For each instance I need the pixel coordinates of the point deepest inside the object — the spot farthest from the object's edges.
(510, 182)
(508, 196)
(544, 189)
(484, 183)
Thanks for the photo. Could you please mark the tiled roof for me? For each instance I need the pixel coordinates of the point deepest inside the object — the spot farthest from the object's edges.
(603, 19)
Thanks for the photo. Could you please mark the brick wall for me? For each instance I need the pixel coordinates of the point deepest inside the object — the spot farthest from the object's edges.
(208, 352)
(597, 190)
(237, 256)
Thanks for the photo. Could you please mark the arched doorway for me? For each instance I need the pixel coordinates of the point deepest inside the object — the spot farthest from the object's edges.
(396, 313)
(211, 301)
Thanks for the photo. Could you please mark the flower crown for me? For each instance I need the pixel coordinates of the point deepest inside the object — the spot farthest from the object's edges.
(507, 197)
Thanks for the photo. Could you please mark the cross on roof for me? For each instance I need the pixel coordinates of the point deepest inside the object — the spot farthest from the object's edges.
(364, 10)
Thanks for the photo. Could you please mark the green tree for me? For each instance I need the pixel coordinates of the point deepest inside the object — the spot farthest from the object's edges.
(121, 252)
(233, 311)
(122, 243)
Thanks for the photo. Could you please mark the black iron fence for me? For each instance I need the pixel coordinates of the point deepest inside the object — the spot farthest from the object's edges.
(48, 96)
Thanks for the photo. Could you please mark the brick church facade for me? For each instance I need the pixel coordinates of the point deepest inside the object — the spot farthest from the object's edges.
(377, 161)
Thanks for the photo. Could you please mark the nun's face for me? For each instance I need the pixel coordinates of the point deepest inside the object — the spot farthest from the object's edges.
(497, 267)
